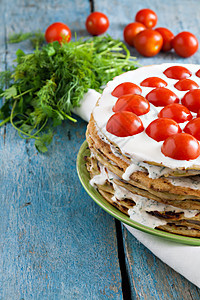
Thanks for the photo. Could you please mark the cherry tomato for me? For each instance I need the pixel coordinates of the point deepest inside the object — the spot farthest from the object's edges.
(161, 97)
(177, 72)
(58, 32)
(153, 82)
(181, 146)
(167, 36)
(198, 73)
(176, 112)
(134, 103)
(124, 123)
(193, 128)
(192, 100)
(186, 84)
(148, 42)
(185, 44)
(147, 17)
(131, 30)
(97, 23)
(162, 128)
(126, 88)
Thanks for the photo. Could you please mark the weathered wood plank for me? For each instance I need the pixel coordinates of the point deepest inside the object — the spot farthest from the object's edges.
(56, 243)
(149, 277)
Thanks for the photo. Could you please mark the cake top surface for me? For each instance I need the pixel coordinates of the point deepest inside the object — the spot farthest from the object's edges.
(139, 145)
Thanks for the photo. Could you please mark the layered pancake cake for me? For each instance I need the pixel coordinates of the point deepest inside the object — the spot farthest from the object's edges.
(143, 137)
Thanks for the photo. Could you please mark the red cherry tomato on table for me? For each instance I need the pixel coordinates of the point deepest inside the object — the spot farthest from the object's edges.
(181, 146)
(126, 88)
(147, 17)
(176, 112)
(185, 44)
(58, 32)
(148, 42)
(153, 82)
(161, 97)
(131, 30)
(167, 36)
(177, 72)
(124, 124)
(193, 128)
(186, 84)
(192, 100)
(134, 103)
(162, 128)
(97, 23)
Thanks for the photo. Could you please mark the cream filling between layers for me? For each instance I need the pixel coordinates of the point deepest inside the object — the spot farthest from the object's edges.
(143, 205)
(141, 147)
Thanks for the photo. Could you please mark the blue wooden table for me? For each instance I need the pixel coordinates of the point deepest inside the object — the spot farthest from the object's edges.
(56, 243)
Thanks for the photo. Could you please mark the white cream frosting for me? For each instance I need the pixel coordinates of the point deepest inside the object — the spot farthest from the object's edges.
(141, 147)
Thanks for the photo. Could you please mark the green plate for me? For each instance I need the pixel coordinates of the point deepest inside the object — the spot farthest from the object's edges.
(96, 196)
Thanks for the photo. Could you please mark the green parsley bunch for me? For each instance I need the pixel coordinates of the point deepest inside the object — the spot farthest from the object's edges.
(44, 86)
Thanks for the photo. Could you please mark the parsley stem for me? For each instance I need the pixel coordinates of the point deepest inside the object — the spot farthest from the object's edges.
(27, 91)
(5, 121)
(34, 136)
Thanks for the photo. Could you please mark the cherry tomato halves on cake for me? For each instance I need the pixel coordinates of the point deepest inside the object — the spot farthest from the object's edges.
(153, 82)
(186, 84)
(58, 32)
(147, 17)
(198, 73)
(134, 103)
(162, 128)
(181, 146)
(131, 30)
(177, 72)
(193, 128)
(161, 97)
(97, 23)
(126, 88)
(176, 112)
(124, 124)
(192, 100)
